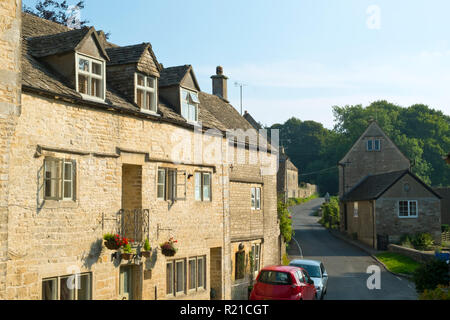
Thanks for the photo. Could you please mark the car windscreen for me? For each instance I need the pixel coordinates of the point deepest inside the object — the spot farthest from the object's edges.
(313, 271)
(275, 278)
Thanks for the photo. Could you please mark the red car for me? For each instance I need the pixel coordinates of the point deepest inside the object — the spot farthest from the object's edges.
(283, 283)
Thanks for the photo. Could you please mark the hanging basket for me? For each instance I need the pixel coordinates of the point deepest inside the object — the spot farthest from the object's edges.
(111, 245)
(126, 256)
(168, 250)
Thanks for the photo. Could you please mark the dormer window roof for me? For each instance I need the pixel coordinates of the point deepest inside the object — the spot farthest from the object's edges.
(90, 77)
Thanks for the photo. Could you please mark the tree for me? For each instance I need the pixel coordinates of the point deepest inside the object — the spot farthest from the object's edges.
(57, 11)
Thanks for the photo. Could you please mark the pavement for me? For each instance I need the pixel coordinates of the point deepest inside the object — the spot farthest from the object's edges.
(346, 263)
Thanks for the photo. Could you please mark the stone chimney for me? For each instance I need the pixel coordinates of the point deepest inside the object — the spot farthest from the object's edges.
(219, 84)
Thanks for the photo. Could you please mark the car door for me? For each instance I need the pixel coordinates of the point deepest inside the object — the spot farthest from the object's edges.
(303, 284)
(310, 288)
(324, 278)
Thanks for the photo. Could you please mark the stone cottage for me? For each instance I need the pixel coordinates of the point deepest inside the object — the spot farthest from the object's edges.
(287, 178)
(381, 199)
(98, 139)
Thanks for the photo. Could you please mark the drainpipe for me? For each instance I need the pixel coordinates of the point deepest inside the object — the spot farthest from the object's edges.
(374, 225)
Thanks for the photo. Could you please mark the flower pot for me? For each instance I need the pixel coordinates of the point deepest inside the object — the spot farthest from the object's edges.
(168, 252)
(146, 254)
(126, 256)
(111, 245)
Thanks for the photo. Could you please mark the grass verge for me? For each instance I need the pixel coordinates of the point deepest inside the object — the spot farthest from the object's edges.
(398, 263)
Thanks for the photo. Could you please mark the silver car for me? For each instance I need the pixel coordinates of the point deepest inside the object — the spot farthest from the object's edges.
(317, 273)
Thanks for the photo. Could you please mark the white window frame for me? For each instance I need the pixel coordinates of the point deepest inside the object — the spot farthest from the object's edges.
(355, 209)
(60, 179)
(57, 294)
(90, 75)
(173, 181)
(256, 198)
(190, 102)
(163, 183)
(146, 89)
(201, 197)
(373, 142)
(409, 216)
(256, 248)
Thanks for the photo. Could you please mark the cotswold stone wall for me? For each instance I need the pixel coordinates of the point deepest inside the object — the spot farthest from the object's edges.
(10, 87)
(307, 191)
(429, 211)
(51, 238)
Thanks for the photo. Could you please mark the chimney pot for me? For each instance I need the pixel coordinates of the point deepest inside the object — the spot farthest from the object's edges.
(219, 84)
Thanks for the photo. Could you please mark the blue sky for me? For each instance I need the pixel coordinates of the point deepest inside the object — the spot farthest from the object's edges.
(296, 57)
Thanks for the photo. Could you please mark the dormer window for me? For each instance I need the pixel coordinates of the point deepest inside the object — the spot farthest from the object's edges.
(146, 93)
(90, 77)
(189, 105)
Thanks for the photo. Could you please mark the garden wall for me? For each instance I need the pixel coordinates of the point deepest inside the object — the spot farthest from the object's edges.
(419, 256)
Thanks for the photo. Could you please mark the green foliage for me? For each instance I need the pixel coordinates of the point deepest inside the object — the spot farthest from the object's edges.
(398, 263)
(440, 293)
(422, 241)
(285, 222)
(127, 248)
(108, 237)
(285, 260)
(296, 201)
(330, 214)
(445, 228)
(431, 274)
(147, 245)
(421, 133)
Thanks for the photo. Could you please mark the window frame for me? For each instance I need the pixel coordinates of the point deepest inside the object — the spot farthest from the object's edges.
(171, 184)
(255, 198)
(91, 75)
(201, 187)
(409, 216)
(373, 145)
(60, 179)
(355, 209)
(256, 249)
(58, 279)
(174, 281)
(190, 102)
(145, 88)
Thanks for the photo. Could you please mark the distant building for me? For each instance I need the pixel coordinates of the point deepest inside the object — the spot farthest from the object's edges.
(287, 178)
(381, 199)
(445, 204)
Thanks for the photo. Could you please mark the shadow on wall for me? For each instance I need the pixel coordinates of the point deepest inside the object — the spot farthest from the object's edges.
(94, 254)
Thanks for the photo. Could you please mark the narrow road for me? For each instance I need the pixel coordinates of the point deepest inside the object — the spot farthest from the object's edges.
(345, 263)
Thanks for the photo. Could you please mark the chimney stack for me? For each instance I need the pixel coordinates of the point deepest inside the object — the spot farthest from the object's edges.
(219, 84)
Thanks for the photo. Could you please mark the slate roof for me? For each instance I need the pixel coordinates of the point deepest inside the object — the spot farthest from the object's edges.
(127, 54)
(374, 186)
(173, 75)
(251, 120)
(40, 78)
(48, 45)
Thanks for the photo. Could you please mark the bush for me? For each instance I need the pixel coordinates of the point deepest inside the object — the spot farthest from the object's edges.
(440, 293)
(330, 213)
(285, 260)
(422, 241)
(431, 274)
(285, 222)
(445, 228)
(405, 241)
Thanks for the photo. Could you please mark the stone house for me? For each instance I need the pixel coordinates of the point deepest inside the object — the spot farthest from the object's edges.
(98, 138)
(287, 175)
(381, 199)
(287, 178)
